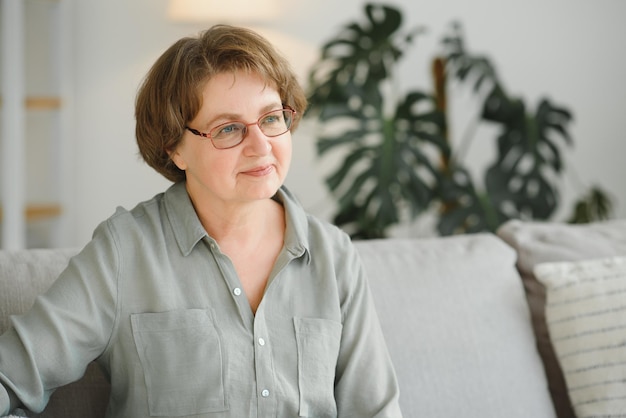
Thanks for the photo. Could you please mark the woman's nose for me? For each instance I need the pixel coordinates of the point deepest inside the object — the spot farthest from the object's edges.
(256, 141)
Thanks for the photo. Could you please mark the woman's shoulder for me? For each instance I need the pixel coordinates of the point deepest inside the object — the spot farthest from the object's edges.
(144, 211)
(154, 208)
(310, 227)
(326, 230)
(144, 218)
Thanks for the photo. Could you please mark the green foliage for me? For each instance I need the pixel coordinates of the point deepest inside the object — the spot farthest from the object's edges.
(386, 169)
(397, 159)
(595, 205)
(522, 181)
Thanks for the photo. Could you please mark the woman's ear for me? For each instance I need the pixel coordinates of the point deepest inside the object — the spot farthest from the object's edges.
(177, 159)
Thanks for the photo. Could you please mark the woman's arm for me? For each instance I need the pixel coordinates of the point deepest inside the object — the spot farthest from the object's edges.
(365, 384)
(67, 327)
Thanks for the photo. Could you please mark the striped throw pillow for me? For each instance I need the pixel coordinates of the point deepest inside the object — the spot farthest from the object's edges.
(586, 317)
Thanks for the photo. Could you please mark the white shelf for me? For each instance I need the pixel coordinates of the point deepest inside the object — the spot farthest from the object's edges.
(35, 109)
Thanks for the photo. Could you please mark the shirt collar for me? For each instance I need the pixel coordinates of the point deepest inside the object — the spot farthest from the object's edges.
(186, 225)
(296, 232)
(188, 230)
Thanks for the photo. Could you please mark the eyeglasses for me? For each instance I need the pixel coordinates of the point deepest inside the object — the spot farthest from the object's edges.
(230, 134)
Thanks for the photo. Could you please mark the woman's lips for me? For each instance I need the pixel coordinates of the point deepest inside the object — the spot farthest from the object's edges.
(260, 171)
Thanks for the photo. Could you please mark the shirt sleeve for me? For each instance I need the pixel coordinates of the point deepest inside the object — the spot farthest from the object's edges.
(366, 384)
(8, 401)
(68, 327)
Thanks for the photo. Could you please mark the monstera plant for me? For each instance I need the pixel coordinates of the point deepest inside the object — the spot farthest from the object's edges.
(397, 160)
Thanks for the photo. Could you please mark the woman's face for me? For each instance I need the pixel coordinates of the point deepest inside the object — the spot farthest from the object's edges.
(252, 170)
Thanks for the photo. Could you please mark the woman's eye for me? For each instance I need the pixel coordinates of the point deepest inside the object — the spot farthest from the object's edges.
(228, 130)
(271, 119)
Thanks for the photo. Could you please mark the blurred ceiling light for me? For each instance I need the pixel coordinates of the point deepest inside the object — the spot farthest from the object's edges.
(229, 11)
(258, 15)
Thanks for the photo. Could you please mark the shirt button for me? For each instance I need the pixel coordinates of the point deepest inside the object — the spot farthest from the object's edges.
(265, 393)
(261, 342)
(237, 291)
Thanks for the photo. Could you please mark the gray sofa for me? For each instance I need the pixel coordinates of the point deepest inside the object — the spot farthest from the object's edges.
(463, 318)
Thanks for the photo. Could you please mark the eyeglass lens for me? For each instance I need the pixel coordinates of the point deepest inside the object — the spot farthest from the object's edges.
(273, 123)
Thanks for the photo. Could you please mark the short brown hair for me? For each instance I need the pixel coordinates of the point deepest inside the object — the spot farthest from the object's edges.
(171, 93)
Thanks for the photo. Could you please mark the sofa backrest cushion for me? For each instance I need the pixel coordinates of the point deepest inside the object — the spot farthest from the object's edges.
(458, 327)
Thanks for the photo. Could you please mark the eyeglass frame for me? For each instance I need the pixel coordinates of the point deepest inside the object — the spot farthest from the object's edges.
(246, 125)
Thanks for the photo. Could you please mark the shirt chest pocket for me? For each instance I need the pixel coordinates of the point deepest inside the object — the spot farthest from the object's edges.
(318, 343)
(183, 361)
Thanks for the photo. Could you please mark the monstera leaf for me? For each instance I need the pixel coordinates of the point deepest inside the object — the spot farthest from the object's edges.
(464, 208)
(358, 59)
(465, 67)
(377, 181)
(386, 171)
(522, 181)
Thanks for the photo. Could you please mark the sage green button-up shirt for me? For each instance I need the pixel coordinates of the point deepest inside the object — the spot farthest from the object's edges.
(157, 304)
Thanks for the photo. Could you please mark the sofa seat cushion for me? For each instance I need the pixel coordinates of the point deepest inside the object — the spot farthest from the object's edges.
(458, 327)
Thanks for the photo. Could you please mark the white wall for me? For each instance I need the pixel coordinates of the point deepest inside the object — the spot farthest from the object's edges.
(569, 50)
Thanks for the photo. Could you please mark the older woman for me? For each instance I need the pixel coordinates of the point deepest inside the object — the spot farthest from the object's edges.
(220, 297)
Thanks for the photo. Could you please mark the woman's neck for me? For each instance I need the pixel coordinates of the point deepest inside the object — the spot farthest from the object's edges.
(242, 224)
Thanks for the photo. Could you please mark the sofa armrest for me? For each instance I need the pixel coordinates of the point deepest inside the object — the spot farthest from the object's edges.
(23, 276)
